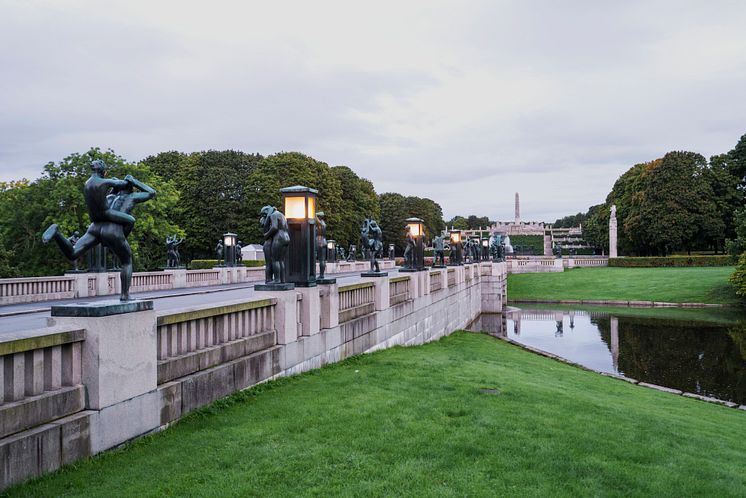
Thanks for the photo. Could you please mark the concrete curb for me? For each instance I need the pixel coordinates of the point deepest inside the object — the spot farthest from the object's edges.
(706, 399)
(637, 304)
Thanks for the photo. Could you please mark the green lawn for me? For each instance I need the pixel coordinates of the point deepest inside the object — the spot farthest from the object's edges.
(673, 285)
(412, 422)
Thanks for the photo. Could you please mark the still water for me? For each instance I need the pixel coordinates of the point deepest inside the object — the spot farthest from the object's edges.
(700, 353)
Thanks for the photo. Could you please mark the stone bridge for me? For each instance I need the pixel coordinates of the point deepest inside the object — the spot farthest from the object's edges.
(86, 384)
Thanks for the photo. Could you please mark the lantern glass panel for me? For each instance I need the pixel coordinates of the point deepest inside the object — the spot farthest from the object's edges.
(228, 240)
(455, 237)
(311, 208)
(415, 229)
(295, 207)
(330, 245)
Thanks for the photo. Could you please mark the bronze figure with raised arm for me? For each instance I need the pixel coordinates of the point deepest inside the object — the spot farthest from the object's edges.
(109, 202)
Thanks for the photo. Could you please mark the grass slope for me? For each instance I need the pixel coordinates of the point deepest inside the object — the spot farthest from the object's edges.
(673, 285)
(412, 422)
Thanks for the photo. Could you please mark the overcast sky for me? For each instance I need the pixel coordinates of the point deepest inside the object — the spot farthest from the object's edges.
(464, 102)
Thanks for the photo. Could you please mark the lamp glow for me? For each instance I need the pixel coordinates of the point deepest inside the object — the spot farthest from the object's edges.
(295, 208)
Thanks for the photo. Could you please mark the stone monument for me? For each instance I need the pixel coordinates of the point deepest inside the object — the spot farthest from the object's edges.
(612, 233)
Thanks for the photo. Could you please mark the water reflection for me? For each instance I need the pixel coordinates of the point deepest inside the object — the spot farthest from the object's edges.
(702, 357)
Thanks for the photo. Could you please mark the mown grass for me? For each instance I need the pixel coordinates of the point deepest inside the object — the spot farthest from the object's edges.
(412, 422)
(673, 285)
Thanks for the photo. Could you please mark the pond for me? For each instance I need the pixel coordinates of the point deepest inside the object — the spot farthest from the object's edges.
(697, 351)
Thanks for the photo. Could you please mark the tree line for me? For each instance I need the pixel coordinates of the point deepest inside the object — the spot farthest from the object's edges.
(201, 195)
(679, 202)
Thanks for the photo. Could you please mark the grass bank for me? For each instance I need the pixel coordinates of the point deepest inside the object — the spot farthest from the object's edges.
(412, 422)
(673, 285)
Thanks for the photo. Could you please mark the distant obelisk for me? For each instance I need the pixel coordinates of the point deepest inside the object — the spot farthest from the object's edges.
(517, 210)
(612, 232)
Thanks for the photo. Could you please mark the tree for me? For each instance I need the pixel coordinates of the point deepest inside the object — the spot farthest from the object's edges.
(57, 197)
(213, 196)
(358, 199)
(393, 213)
(287, 169)
(458, 222)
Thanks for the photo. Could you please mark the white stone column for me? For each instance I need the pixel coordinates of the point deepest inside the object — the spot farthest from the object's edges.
(286, 314)
(329, 303)
(613, 233)
(310, 310)
(381, 292)
(615, 342)
(119, 355)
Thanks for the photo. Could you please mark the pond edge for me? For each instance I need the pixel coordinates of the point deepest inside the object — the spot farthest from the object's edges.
(706, 399)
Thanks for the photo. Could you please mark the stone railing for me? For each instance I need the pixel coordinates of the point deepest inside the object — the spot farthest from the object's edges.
(534, 264)
(355, 300)
(196, 339)
(398, 290)
(202, 277)
(154, 280)
(41, 377)
(21, 290)
(71, 286)
(451, 277)
(587, 262)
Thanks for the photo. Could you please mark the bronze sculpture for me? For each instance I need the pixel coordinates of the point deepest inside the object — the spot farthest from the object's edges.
(439, 247)
(372, 238)
(173, 258)
(109, 202)
(409, 250)
(276, 241)
(321, 243)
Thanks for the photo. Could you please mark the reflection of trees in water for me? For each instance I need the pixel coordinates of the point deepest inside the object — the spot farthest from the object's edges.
(698, 357)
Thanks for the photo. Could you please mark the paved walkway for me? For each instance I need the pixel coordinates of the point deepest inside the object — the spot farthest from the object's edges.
(18, 317)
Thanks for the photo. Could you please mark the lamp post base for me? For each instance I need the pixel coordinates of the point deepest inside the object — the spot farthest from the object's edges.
(274, 287)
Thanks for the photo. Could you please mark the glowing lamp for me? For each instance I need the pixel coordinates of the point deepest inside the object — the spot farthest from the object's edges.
(300, 212)
(229, 249)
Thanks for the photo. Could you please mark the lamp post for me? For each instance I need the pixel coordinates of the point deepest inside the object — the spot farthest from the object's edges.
(456, 256)
(331, 251)
(229, 249)
(300, 211)
(485, 249)
(414, 255)
(392, 252)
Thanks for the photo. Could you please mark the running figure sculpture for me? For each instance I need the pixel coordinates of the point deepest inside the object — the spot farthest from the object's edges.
(321, 243)
(109, 203)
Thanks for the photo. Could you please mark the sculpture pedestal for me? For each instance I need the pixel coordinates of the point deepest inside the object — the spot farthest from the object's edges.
(274, 287)
(374, 274)
(326, 281)
(411, 270)
(438, 266)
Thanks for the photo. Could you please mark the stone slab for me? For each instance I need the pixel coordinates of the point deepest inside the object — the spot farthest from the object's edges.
(101, 308)
(274, 287)
(709, 399)
(125, 420)
(40, 409)
(661, 388)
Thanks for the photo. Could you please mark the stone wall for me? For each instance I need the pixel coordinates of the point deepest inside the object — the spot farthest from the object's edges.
(87, 384)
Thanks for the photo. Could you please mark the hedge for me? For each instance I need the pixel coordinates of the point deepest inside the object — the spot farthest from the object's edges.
(678, 261)
(738, 279)
(208, 264)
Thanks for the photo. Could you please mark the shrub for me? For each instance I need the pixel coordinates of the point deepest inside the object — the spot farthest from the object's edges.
(671, 261)
(208, 264)
(738, 279)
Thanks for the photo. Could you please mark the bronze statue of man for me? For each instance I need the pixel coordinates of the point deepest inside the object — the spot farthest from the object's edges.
(321, 243)
(110, 226)
(276, 241)
(439, 246)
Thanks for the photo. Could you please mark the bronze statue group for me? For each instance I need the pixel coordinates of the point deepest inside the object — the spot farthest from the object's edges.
(110, 202)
